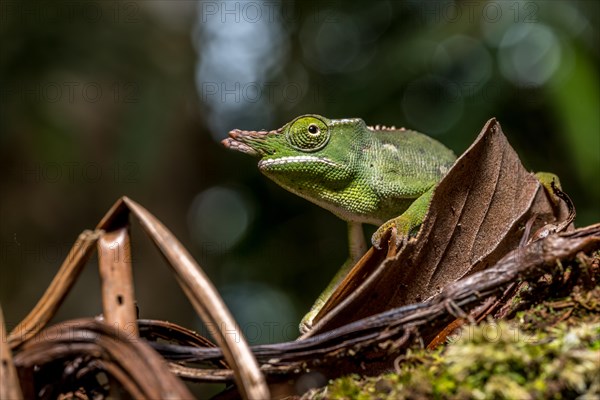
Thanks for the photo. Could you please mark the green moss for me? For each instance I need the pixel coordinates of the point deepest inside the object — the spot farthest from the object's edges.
(492, 360)
(549, 348)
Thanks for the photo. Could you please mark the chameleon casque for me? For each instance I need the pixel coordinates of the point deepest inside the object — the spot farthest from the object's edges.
(375, 175)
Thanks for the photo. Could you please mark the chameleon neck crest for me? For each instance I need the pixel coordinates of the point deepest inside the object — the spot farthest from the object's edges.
(384, 128)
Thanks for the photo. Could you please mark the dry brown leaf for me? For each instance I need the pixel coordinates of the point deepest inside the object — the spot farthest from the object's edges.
(476, 216)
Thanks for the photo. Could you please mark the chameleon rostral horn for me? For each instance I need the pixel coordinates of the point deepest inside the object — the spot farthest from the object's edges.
(248, 142)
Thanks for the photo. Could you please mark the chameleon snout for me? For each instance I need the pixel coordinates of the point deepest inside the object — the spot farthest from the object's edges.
(241, 141)
(248, 142)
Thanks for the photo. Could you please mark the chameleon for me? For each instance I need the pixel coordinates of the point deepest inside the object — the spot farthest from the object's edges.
(376, 175)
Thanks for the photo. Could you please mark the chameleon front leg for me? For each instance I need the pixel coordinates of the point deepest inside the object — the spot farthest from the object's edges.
(358, 247)
(405, 224)
(356, 241)
(307, 321)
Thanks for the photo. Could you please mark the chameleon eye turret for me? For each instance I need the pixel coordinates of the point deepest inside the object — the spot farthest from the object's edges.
(308, 134)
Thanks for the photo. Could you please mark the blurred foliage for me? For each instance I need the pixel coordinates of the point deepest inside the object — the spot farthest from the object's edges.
(103, 99)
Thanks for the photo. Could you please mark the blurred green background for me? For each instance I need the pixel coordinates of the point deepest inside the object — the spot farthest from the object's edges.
(108, 98)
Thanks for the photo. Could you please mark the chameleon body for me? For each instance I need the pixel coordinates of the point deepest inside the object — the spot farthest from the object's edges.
(376, 175)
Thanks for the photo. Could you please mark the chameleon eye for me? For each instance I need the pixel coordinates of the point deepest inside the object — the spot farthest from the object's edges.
(313, 129)
(307, 134)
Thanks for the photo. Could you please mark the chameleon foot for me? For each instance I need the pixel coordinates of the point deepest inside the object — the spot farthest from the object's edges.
(397, 229)
(407, 223)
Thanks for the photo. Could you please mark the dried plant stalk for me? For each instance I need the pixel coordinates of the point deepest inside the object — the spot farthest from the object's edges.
(118, 298)
(207, 303)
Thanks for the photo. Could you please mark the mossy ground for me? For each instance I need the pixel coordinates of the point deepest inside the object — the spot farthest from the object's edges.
(548, 346)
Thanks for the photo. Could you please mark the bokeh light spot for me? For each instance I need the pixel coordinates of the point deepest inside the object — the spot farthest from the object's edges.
(432, 104)
(239, 44)
(331, 44)
(218, 218)
(465, 61)
(529, 54)
(264, 314)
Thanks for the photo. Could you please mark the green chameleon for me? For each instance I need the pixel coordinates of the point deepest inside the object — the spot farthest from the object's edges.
(376, 175)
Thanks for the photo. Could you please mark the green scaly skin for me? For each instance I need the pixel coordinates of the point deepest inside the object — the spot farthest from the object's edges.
(375, 175)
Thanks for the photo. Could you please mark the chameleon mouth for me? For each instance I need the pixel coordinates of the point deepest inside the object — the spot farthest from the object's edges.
(271, 162)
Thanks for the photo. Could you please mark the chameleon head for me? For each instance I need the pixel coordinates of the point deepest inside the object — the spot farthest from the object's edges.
(309, 151)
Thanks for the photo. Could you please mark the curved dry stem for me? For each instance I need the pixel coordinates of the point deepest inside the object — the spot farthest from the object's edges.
(207, 303)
